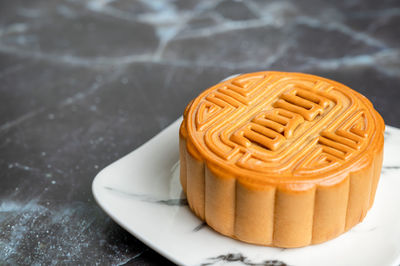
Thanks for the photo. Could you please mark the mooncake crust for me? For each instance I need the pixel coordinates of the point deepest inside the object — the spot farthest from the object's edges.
(280, 159)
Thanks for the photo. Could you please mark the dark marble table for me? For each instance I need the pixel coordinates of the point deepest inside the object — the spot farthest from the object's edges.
(83, 83)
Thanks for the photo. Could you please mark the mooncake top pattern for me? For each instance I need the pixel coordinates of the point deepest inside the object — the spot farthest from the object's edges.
(281, 127)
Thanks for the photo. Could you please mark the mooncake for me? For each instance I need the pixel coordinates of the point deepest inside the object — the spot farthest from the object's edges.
(280, 159)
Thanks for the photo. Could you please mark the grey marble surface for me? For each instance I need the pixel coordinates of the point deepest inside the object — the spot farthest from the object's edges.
(83, 83)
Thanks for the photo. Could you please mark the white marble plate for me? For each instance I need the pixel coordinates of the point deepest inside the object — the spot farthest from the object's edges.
(141, 192)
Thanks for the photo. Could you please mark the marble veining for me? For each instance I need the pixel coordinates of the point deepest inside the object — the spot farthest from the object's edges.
(77, 86)
(237, 257)
(149, 198)
(33, 225)
(199, 227)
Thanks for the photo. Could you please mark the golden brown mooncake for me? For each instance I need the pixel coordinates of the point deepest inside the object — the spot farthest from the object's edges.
(280, 159)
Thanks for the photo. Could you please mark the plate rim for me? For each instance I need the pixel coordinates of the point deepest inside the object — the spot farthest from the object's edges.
(97, 181)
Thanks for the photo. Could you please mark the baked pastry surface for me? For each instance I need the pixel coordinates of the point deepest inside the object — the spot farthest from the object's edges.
(280, 159)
